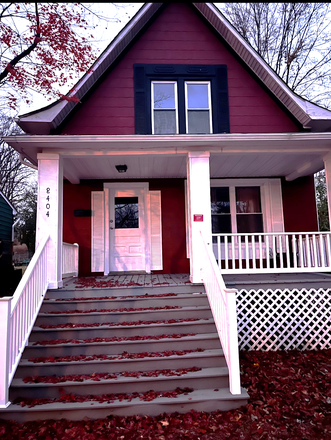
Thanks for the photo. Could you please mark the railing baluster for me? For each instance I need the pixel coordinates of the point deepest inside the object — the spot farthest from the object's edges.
(247, 252)
(219, 251)
(253, 244)
(308, 251)
(327, 238)
(267, 251)
(239, 252)
(280, 251)
(226, 251)
(302, 262)
(288, 260)
(321, 250)
(315, 256)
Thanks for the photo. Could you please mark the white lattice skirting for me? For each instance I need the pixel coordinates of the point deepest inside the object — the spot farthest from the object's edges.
(284, 319)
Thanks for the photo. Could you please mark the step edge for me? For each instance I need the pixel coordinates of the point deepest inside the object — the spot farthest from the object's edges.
(199, 336)
(105, 326)
(201, 374)
(206, 353)
(207, 394)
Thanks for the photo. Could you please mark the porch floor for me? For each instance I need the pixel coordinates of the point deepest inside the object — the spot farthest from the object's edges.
(127, 280)
(238, 281)
(317, 280)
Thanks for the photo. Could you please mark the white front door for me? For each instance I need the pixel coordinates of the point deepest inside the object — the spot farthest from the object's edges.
(128, 228)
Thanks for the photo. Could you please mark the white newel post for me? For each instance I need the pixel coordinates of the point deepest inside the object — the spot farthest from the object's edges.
(50, 213)
(327, 167)
(199, 213)
(5, 309)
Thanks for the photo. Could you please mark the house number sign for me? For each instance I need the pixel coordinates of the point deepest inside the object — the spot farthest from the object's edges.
(48, 205)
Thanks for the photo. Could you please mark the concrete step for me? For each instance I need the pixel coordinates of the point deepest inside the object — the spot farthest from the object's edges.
(111, 302)
(123, 315)
(206, 341)
(199, 400)
(107, 331)
(205, 378)
(202, 359)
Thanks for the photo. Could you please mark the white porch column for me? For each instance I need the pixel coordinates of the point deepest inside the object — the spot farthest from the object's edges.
(199, 211)
(327, 167)
(50, 213)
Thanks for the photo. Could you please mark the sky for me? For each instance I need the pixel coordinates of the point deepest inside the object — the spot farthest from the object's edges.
(105, 32)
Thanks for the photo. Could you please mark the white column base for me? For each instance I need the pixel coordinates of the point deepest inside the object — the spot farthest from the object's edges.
(55, 285)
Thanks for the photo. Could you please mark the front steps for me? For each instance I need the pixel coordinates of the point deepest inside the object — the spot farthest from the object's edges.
(97, 352)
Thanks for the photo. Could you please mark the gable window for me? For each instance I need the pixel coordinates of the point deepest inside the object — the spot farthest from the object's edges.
(164, 107)
(198, 107)
(180, 99)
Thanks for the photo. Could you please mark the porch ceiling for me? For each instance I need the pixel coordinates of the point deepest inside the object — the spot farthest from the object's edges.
(166, 166)
(232, 155)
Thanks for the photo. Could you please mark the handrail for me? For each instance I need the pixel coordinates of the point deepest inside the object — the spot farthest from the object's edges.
(18, 314)
(223, 306)
(273, 252)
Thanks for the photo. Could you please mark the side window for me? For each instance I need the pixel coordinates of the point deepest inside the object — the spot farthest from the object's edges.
(164, 107)
(198, 107)
(236, 209)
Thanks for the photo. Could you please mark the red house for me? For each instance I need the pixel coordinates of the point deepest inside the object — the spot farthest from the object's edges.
(184, 144)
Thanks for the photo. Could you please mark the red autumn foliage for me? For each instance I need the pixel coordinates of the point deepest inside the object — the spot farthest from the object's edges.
(43, 48)
(110, 398)
(107, 376)
(101, 298)
(104, 357)
(141, 309)
(290, 396)
(113, 339)
(118, 324)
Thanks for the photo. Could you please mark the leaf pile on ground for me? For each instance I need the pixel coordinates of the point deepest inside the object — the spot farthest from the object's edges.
(290, 398)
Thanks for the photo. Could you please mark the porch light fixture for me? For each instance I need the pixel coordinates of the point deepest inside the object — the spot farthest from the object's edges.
(121, 168)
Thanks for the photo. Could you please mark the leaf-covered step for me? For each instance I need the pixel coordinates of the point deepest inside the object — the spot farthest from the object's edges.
(207, 341)
(107, 302)
(162, 380)
(147, 396)
(193, 404)
(126, 328)
(123, 314)
(125, 362)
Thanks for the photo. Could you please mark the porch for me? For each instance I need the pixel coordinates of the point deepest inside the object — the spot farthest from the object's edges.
(237, 281)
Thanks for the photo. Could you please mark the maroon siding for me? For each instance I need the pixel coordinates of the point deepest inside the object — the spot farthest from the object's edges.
(78, 229)
(299, 205)
(177, 36)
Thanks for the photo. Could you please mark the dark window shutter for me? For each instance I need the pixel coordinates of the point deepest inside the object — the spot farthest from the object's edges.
(140, 106)
(221, 102)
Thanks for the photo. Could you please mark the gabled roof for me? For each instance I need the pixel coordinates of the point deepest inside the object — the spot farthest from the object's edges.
(309, 115)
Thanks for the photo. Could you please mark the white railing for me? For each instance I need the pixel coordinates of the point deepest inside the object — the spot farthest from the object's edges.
(70, 259)
(17, 316)
(223, 305)
(273, 252)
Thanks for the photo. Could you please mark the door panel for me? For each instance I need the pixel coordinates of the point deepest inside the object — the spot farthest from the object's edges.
(127, 229)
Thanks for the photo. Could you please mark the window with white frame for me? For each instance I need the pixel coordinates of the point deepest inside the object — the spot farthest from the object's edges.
(236, 209)
(164, 107)
(196, 111)
(181, 98)
(246, 206)
(198, 107)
